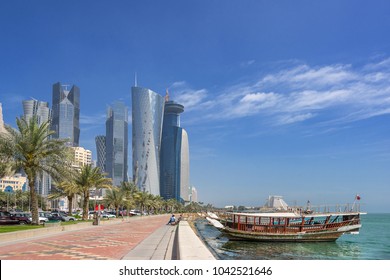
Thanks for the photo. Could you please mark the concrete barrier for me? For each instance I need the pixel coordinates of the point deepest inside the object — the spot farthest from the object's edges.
(189, 244)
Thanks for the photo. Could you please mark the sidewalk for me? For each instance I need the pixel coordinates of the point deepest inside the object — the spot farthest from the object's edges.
(137, 238)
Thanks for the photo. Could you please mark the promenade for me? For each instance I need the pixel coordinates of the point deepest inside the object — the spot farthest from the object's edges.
(141, 238)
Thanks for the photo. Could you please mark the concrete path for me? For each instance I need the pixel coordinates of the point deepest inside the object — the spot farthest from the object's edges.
(109, 241)
(137, 238)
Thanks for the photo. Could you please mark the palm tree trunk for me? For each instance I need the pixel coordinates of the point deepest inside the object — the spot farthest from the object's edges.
(34, 202)
(85, 205)
(70, 207)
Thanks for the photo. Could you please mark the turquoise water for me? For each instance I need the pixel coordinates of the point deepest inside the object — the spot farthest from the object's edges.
(373, 243)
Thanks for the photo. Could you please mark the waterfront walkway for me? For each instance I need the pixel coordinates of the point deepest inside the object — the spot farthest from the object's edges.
(141, 238)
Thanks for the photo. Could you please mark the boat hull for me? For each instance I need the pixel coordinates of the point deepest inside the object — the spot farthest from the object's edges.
(322, 236)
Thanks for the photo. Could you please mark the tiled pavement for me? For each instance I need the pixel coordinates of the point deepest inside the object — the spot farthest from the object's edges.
(103, 242)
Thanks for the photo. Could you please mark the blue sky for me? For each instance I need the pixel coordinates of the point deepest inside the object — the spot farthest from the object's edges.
(282, 97)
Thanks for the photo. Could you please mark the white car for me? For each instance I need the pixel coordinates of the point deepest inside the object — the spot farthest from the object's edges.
(108, 215)
(42, 218)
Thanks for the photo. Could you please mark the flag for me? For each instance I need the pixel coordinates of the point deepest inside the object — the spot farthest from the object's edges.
(357, 197)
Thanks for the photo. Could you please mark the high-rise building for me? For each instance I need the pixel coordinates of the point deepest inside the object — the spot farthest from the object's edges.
(185, 188)
(174, 156)
(66, 113)
(194, 194)
(117, 143)
(41, 110)
(101, 152)
(147, 116)
(38, 108)
(2, 129)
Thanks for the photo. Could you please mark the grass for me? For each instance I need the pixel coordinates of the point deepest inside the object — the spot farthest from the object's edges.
(11, 228)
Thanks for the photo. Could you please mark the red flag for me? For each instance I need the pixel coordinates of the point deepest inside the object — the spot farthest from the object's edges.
(357, 197)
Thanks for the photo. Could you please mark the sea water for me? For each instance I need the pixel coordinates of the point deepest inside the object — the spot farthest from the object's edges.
(372, 243)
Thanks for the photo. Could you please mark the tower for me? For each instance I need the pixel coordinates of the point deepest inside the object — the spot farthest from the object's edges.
(43, 114)
(66, 113)
(101, 151)
(174, 176)
(147, 117)
(117, 143)
(2, 129)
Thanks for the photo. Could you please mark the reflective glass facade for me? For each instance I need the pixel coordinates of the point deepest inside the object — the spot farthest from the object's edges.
(43, 113)
(66, 113)
(101, 151)
(174, 155)
(147, 116)
(117, 143)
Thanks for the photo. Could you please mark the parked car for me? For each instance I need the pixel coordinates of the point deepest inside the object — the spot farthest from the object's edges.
(108, 215)
(42, 217)
(7, 219)
(61, 217)
(135, 213)
(22, 217)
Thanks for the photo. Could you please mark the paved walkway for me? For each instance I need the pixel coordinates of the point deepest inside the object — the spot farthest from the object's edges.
(137, 238)
(104, 242)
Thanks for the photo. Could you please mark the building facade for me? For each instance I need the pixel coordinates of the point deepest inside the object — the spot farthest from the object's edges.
(66, 113)
(41, 110)
(147, 117)
(82, 157)
(117, 143)
(174, 156)
(100, 141)
(13, 183)
(2, 129)
(38, 108)
(185, 188)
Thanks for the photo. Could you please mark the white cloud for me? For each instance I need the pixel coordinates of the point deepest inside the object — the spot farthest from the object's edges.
(190, 98)
(298, 93)
(96, 119)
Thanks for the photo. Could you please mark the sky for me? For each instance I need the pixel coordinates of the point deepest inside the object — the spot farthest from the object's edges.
(287, 98)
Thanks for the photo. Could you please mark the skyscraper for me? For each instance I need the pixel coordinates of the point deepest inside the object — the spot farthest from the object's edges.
(38, 108)
(174, 176)
(66, 113)
(2, 129)
(147, 116)
(185, 188)
(117, 143)
(43, 113)
(100, 141)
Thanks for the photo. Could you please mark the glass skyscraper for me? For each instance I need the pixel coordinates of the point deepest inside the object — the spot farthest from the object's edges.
(66, 113)
(101, 152)
(117, 143)
(174, 156)
(43, 113)
(38, 108)
(147, 117)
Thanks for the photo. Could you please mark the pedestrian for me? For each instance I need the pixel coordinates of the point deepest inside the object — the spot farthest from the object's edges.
(171, 220)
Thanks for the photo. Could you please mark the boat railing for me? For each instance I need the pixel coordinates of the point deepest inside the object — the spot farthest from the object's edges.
(324, 209)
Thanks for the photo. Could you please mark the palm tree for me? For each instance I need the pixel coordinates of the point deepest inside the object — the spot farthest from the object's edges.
(131, 192)
(30, 148)
(88, 179)
(65, 188)
(115, 198)
(142, 200)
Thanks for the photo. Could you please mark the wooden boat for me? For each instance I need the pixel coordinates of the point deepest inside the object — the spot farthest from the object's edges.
(292, 225)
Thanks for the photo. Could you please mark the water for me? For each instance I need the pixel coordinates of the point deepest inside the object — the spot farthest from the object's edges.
(373, 243)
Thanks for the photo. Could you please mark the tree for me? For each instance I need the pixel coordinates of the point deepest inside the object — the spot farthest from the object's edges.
(87, 179)
(115, 198)
(65, 188)
(30, 148)
(142, 200)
